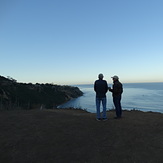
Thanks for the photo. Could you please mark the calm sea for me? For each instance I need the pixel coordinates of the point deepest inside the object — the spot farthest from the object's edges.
(138, 96)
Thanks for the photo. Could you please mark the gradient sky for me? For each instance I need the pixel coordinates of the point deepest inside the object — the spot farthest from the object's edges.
(72, 41)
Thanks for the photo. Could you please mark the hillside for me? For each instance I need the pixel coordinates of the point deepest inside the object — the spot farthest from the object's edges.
(14, 95)
(74, 136)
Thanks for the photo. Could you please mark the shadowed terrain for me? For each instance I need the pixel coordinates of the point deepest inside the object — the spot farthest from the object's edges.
(60, 135)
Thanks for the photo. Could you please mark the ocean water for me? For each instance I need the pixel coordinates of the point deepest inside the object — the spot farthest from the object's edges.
(138, 96)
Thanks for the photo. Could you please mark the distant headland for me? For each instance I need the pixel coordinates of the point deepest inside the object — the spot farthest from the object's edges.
(14, 95)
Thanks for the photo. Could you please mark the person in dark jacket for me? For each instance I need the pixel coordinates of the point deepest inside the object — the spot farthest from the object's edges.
(117, 91)
(101, 88)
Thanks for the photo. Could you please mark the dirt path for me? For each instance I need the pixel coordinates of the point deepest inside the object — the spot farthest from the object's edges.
(72, 136)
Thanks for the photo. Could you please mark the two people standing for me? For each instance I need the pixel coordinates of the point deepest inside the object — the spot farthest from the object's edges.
(101, 88)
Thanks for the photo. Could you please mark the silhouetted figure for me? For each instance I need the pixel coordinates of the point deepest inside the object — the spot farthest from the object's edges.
(100, 87)
(117, 91)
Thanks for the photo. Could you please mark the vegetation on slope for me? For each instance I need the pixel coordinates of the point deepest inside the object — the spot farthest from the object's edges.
(14, 95)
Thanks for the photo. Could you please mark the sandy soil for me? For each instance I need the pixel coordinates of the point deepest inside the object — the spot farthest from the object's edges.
(74, 136)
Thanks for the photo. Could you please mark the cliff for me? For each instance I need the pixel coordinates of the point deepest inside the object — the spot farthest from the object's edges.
(74, 136)
(14, 95)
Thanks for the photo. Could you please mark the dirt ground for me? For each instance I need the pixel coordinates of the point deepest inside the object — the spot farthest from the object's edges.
(74, 136)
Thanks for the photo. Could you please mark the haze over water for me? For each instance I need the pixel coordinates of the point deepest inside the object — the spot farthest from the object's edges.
(138, 96)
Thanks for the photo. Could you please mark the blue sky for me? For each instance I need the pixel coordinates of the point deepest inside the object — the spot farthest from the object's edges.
(72, 41)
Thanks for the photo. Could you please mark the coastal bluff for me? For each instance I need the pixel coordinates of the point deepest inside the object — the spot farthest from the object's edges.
(74, 136)
(14, 95)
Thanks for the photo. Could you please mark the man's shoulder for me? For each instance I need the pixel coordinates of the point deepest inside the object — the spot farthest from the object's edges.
(118, 83)
(103, 81)
(100, 81)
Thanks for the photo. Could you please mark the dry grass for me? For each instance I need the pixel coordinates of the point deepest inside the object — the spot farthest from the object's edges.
(72, 136)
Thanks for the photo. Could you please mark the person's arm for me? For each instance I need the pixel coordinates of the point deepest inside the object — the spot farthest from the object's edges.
(109, 88)
(106, 86)
(95, 86)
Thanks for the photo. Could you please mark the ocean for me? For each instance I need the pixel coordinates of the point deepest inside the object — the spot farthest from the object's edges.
(136, 96)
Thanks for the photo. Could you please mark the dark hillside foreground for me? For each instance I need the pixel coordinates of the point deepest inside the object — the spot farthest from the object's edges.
(74, 136)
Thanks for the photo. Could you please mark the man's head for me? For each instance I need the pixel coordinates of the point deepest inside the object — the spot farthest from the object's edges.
(100, 76)
(115, 77)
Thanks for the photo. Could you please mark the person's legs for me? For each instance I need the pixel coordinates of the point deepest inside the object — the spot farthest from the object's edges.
(117, 103)
(104, 107)
(120, 107)
(98, 100)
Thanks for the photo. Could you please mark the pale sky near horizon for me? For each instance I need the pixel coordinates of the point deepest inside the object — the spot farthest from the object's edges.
(72, 41)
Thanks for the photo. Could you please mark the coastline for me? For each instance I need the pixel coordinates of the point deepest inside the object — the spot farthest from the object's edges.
(140, 96)
(16, 95)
